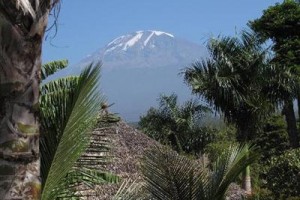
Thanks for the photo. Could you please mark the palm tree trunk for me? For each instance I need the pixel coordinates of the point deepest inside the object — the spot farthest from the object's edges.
(243, 137)
(20, 62)
(288, 111)
(179, 146)
(298, 105)
(247, 181)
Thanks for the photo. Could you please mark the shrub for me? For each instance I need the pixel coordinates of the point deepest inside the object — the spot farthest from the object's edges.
(215, 149)
(262, 194)
(224, 137)
(283, 177)
(273, 139)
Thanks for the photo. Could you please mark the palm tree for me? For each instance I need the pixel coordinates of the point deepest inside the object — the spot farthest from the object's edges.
(280, 23)
(230, 80)
(177, 125)
(23, 23)
(169, 176)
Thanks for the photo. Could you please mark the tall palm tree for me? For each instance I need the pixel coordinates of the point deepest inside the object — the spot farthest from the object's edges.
(230, 80)
(23, 23)
(280, 23)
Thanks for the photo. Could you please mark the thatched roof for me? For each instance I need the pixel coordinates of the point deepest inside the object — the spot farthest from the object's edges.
(128, 146)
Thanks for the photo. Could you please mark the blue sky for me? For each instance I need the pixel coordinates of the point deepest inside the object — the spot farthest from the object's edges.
(87, 25)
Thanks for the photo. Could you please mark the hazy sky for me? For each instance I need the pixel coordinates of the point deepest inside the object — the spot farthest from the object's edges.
(87, 25)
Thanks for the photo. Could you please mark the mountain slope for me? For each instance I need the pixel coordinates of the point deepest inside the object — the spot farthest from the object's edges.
(139, 66)
(144, 49)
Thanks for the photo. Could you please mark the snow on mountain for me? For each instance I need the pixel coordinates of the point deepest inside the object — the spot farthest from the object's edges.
(139, 66)
(143, 49)
(133, 40)
(137, 38)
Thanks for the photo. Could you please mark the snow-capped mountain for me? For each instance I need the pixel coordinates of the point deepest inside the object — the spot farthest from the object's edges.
(146, 49)
(140, 66)
(138, 40)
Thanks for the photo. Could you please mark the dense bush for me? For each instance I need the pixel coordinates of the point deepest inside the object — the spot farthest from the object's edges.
(283, 177)
(224, 137)
(273, 139)
(215, 149)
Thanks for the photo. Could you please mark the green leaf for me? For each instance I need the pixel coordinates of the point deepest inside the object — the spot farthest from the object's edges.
(69, 108)
(169, 176)
(83, 176)
(52, 67)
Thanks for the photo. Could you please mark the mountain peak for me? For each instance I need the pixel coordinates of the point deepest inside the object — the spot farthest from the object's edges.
(139, 39)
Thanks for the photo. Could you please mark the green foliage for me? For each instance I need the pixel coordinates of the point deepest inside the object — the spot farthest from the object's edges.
(284, 174)
(231, 80)
(177, 125)
(273, 140)
(293, 198)
(224, 138)
(262, 194)
(85, 176)
(169, 176)
(215, 149)
(281, 24)
(69, 107)
(52, 67)
(227, 132)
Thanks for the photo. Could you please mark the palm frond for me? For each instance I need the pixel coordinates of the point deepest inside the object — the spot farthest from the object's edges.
(231, 77)
(82, 176)
(226, 169)
(130, 191)
(52, 67)
(170, 176)
(73, 111)
(55, 100)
